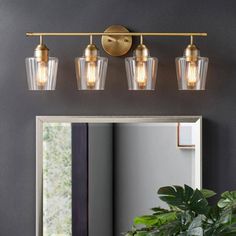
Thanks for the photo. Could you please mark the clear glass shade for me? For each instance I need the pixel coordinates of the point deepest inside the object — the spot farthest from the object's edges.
(41, 75)
(191, 75)
(141, 75)
(91, 75)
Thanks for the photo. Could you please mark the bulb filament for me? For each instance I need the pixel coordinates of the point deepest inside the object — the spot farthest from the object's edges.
(91, 74)
(42, 74)
(141, 75)
(192, 74)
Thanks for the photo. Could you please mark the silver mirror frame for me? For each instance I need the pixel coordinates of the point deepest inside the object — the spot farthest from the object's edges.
(40, 120)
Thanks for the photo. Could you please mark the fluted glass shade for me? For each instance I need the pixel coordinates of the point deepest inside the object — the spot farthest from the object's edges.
(41, 75)
(141, 75)
(191, 75)
(91, 75)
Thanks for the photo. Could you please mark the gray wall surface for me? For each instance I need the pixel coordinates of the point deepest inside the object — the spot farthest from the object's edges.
(100, 179)
(18, 106)
(146, 158)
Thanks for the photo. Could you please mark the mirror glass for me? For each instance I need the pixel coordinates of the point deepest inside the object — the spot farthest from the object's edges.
(94, 177)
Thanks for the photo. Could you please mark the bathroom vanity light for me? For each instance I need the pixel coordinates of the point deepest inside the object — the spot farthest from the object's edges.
(91, 69)
(41, 69)
(191, 69)
(141, 69)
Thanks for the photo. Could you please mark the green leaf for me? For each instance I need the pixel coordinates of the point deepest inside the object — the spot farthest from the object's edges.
(195, 228)
(198, 203)
(129, 234)
(173, 195)
(185, 219)
(184, 198)
(189, 214)
(159, 210)
(142, 234)
(155, 220)
(219, 222)
(146, 220)
(172, 228)
(207, 193)
(228, 200)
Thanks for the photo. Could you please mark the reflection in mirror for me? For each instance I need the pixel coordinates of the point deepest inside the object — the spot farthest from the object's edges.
(57, 179)
(95, 177)
(186, 135)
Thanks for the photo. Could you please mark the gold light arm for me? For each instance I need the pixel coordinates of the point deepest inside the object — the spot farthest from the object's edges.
(115, 34)
(117, 40)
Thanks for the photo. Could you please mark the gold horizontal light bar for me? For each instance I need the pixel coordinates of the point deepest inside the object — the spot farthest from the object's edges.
(116, 34)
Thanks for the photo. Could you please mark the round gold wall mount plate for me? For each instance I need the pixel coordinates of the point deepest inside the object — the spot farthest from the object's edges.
(116, 45)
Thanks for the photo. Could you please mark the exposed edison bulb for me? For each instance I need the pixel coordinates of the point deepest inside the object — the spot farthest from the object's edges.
(91, 74)
(141, 74)
(42, 74)
(192, 74)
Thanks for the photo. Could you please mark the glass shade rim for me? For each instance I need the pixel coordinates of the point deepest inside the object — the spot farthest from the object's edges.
(149, 89)
(199, 58)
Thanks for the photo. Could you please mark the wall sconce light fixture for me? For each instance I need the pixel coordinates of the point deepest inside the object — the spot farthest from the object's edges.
(191, 69)
(41, 69)
(141, 69)
(91, 69)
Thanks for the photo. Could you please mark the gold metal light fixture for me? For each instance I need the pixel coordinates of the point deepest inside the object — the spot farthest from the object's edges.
(41, 69)
(141, 68)
(91, 69)
(116, 45)
(191, 69)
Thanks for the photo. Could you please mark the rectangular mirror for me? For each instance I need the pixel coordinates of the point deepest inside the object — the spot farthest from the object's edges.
(95, 174)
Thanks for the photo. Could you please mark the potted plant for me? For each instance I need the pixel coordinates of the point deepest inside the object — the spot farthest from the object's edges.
(189, 214)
